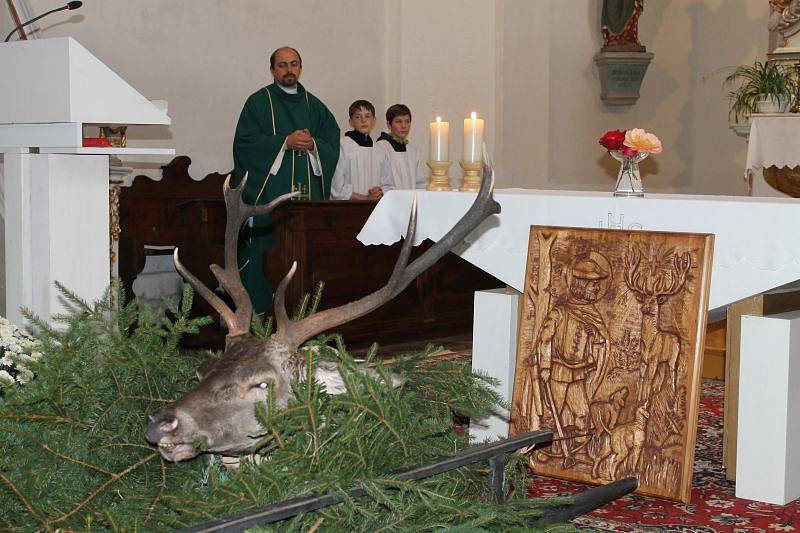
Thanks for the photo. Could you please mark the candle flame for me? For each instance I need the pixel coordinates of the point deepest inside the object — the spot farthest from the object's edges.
(474, 115)
(438, 119)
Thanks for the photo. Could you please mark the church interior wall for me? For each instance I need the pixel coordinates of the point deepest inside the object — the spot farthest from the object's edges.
(682, 99)
(526, 67)
(446, 67)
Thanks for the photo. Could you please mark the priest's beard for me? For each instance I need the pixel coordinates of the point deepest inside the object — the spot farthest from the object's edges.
(289, 81)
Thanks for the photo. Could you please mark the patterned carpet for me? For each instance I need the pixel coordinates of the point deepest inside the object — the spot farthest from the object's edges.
(713, 508)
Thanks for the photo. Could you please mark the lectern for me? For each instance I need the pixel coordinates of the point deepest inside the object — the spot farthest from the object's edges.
(56, 190)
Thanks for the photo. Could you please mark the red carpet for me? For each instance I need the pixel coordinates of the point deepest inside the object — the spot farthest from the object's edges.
(713, 508)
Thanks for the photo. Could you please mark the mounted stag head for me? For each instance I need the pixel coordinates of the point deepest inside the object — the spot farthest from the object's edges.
(220, 411)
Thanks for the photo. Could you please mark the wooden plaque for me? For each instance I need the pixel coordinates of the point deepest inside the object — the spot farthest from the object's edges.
(609, 354)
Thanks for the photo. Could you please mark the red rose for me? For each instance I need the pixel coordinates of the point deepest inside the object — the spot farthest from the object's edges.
(613, 140)
(627, 151)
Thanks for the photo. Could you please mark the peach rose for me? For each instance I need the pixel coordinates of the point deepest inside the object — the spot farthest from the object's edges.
(641, 141)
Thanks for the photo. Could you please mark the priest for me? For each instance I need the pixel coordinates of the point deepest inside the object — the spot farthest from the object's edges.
(286, 141)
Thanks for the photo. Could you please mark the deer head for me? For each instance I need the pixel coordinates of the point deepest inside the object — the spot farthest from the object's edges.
(219, 412)
(652, 287)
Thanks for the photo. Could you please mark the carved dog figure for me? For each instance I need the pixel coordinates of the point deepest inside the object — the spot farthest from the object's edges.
(604, 415)
(626, 440)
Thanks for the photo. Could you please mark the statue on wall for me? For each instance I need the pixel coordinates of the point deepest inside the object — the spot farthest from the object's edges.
(620, 25)
(784, 17)
(622, 61)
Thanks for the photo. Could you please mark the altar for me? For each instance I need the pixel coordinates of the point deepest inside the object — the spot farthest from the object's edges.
(757, 248)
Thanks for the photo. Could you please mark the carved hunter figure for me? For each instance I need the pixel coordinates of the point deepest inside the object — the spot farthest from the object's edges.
(220, 411)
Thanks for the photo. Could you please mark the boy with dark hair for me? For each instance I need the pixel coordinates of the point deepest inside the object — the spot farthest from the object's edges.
(362, 171)
(406, 169)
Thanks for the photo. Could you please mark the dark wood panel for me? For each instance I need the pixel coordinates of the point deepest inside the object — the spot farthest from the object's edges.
(320, 236)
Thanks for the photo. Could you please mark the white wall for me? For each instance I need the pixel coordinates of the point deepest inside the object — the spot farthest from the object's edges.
(553, 115)
(442, 63)
(526, 66)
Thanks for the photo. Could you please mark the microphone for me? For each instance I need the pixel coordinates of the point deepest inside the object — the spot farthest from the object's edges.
(70, 6)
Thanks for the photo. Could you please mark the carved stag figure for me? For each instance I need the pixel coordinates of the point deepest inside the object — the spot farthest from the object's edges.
(219, 411)
(652, 288)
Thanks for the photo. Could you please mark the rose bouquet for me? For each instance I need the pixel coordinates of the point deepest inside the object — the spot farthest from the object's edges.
(630, 148)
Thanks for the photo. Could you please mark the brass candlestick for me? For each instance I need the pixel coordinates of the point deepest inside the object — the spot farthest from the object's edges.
(471, 181)
(439, 180)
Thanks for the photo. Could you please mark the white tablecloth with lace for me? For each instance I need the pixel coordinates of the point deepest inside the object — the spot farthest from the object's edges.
(757, 244)
(774, 140)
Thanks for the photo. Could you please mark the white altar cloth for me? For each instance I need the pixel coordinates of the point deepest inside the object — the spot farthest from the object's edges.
(757, 243)
(774, 140)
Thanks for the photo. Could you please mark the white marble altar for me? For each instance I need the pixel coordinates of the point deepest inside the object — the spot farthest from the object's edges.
(757, 244)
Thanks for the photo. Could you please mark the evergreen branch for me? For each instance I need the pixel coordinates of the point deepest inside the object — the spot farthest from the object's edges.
(383, 421)
(111, 520)
(249, 491)
(235, 495)
(126, 445)
(389, 527)
(317, 524)
(104, 413)
(278, 438)
(25, 501)
(310, 388)
(102, 487)
(147, 399)
(191, 512)
(73, 298)
(90, 466)
(47, 418)
(162, 487)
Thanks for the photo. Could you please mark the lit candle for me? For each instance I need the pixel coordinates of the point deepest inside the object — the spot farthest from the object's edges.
(440, 132)
(473, 138)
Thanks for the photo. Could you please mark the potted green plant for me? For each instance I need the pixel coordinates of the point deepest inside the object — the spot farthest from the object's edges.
(766, 87)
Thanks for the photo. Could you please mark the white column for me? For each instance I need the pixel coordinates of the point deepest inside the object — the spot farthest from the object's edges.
(18, 282)
(56, 230)
(494, 352)
(768, 440)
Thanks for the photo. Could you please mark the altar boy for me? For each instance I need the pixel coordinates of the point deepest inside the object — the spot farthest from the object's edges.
(406, 168)
(363, 170)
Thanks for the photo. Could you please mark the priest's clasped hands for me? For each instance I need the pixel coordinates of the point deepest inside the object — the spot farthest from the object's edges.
(300, 140)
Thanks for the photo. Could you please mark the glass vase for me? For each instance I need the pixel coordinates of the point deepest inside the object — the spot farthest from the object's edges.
(629, 181)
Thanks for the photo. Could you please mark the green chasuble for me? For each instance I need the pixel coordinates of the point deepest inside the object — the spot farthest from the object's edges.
(268, 117)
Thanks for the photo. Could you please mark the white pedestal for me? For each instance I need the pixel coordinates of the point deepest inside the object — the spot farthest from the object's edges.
(56, 230)
(768, 442)
(494, 348)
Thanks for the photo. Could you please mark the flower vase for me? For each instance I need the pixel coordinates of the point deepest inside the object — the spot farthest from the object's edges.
(629, 181)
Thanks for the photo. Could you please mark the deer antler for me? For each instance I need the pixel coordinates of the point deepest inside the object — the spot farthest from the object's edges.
(631, 264)
(655, 285)
(237, 213)
(682, 264)
(295, 333)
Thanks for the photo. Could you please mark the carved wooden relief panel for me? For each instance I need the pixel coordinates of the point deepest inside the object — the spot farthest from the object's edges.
(609, 354)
